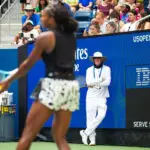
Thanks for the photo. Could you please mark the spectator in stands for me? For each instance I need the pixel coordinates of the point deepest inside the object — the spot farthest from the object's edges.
(140, 7)
(100, 19)
(85, 5)
(94, 29)
(30, 15)
(131, 3)
(111, 27)
(115, 16)
(113, 2)
(125, 10)
(138, 16)
(105, 7)
(131, 25)
(33, 2)
(41, 5)
(62, 3)
(54, 2)
(145, 24)
(23, 2)
(73, 4)
(119, 7)
(28, 34)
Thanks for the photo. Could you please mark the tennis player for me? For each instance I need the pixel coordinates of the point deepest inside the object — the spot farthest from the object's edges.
(58, 92)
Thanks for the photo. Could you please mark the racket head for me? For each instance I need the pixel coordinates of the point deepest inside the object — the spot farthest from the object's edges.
(3, 74)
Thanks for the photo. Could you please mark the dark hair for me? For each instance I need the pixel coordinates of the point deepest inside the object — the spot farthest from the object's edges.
(40, 6)
(96, 25)
(142, 23)
(112, 24)
(127, 7)
(144, 14)
(133, 12)
(63, 20)
(115, 14)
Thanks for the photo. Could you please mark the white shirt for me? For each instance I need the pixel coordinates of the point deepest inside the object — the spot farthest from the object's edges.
(100, 79)
(121, 1)
(103, 27)
(33, 31)
(129, 27)
(28, 36)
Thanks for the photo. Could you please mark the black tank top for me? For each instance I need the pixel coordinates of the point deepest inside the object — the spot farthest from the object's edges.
(62, 58)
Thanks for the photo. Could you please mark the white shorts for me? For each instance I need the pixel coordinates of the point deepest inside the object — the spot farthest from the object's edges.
(57, 94)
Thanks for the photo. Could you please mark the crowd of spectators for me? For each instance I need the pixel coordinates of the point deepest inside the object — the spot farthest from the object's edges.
(114, 16)
(108, 16)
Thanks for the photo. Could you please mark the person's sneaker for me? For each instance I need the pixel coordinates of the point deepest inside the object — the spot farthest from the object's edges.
(92, 143)
(92, 139)
(84, 137)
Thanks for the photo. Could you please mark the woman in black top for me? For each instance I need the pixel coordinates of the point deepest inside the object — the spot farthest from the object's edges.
(58, 92)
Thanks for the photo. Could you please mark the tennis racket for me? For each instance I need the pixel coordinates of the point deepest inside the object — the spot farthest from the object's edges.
(82, 81)
(3, 74)
(6, 74)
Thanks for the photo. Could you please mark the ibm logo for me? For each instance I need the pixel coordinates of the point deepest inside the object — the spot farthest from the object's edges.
(143, 76)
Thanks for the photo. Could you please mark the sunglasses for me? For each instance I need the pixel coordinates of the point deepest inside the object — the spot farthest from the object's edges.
(29, 10)
(97, 58)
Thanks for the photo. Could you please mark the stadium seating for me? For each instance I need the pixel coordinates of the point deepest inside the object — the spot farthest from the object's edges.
(83, 15)
(82, 25)
(83, 18)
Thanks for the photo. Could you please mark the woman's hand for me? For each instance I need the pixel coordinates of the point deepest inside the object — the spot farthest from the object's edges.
(4, 85)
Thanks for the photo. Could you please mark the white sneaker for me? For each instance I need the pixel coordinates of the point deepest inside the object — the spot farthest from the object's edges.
(92, 139)
(84, 137)
(92, 143)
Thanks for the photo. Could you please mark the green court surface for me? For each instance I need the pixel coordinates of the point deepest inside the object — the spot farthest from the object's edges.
(52, 146)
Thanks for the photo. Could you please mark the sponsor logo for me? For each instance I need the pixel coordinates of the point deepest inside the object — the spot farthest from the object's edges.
(143, 76)
(80, 55)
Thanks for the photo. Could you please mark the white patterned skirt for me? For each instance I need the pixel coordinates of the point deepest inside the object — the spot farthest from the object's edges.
(57, 94)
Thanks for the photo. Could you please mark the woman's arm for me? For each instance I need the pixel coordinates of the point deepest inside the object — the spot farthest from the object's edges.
(42, 43)
(45, 41)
